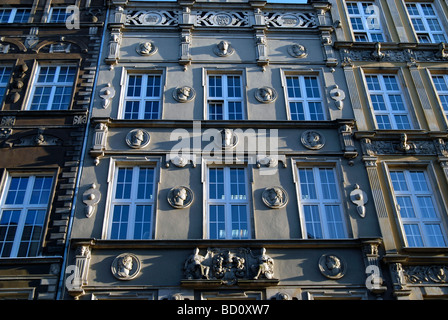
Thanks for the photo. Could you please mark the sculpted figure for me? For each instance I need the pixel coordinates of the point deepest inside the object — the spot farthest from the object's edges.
(194, 267)
(179, 196)
(265, 265)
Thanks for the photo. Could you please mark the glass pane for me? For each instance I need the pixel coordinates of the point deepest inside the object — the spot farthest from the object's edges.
(215, 86)
(297, 112)
(153, 86)
(398, 181)
(17, 189)
(124, 183)
(237, 184)
(426, 207)
(46, 74)
(215, 111)
(235, 111)
(216, 184)
(145, 183)
(239, 222)
(307, 184)
(234, 86)
(131, 109)
(334, 222)
(32, 233)
(413, 235)
(41, 190)
(142, 228)
(316, 111)
(8, 227)
(293, 87)
(151, 110)
(120, 221)
(406, 207)
(419, 181)
(434, 235)
(134, 86)
(312, 222)
(217, 222)
(328, 184)
(312, 87)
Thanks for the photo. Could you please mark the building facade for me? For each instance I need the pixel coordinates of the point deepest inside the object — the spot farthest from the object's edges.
(47, 66)
(222, 161)
(394, 60)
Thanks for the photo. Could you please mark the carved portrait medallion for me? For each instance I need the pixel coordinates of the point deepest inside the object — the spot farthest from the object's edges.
(332, 266)
(126, 266)
(180, 197)
(146, 48)
(266, 95)
(275, 197)
(312, 140)
(137, 138)
(184, 94)
(297, 51)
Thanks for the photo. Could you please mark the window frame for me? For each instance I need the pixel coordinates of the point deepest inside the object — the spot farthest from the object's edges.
(335, 165)
(363, 16)
(6, 84)
(424, 18)
(50, 15)
(230, 163)
(438, 202)
(24, 207)
(52, 85)
(13, 14)
(389, 112)
(432, 74)
(304, 99)
(127, 73)
(224, 97)
(119, 162)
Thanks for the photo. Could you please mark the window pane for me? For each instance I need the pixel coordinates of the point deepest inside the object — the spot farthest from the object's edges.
(17, 190)
(145, 183)
(134, 86)
(142, 228)
(334, 222)
(237, 184)
(131, 109)
(312, 221)
(41, 190)
(328, 184)
(406, 207)
(124, 183)
(119, 222)
(217, 222)
(8, 227)
(151, 110)
(239, 222)
(153, 86)
(216, 184)
(32, 233)
(434, 235)
(235, 111)
(307, 184)
(234, 86)
(215, 111)
(296, 110)
(413, 235)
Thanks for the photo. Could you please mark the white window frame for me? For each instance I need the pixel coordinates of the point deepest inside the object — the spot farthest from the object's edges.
(304, 99)
(441, 93)
(227, 202)
(224, 99)
(389, 112)
(120, 162)
(424, 18)
(132, 202)
(374, 17)
(24, 208)
(53, 85)
(418, 220)
(320, 202)
(142, 99)
(13, 14)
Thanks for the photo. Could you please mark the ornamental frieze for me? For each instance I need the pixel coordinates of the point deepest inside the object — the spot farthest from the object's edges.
(404, 146)
(426, 274)
(229, 265)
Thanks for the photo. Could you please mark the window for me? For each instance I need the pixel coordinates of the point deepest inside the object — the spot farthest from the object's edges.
(53, 87)
(24, 208)
(426, 23)
(388, 103)
(58, 15)
(227, 204)
(225, 97)
(304, 98)
(132, 204)
(417, 210)
(14, 15)
(143, 96)
(365, 21)
(441, 84)
(320, 203)
(5, 74)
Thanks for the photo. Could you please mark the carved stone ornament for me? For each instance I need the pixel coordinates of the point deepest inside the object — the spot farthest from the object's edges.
(39, 139)
(180, 197)
(146, 48)
(266, 95)
(426, 274)
(338, 96)
(275, 197)
(223, 49)
(297, 51)
(227, 139)
(90, 198)
(184, 94)
(137, 138)
(332, 266)
(359, 198)
(107, 94)
(312, 140)
(229, 265)
(126, 266)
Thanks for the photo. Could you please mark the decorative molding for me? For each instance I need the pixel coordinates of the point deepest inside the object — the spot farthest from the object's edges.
(6, 126)
(312, 140)
(275, 197)
(152, 18)
(290, 20)
(38, 139)
(389, 147)
(180, 197)
(184, 94)
(228, 266)
(222, 19)
(332, 266)
(266, 95)
(90, 198)
(137, 138)
(126, 266)
(338, 96)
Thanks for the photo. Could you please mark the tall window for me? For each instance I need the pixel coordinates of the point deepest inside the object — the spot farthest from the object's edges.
(24, 208)
(14, 15)
(53, 88)
(5, 74)
(417, 210)
(426, 23)
(388, 103)
(365, 21)
(143, 96)
(441, 84)
(304, 98)
(228, 207)
(224, 97)
(132, 204)
(58, 15)
(320, 203)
